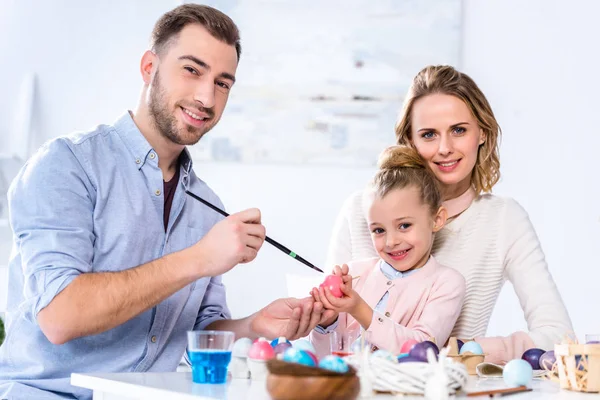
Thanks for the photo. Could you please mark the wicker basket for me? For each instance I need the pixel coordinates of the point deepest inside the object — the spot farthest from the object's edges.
(578, 367)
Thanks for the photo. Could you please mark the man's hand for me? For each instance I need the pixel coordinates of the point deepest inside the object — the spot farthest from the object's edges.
(292, 318)
(234, 240)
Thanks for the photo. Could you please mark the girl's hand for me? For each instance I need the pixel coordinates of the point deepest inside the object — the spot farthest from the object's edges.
(317, 298)
(341, 271)
(347, 303)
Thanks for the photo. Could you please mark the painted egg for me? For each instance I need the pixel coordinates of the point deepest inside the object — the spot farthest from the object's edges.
(241, 347)
(261, 350)
(275, 342)
(282, 347)
(419, 350)
(409, 359)
(386, 355)
(408, 345)
(296, 356)
(471, 347)
(303, 344)
(333, 282)
(517, 373)
(460, 344)
(334, 363)
(313, 356)
(532, 356)
(547, 360)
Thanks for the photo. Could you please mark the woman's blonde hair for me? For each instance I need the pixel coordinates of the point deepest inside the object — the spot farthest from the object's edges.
(401, 167)
(443, 79)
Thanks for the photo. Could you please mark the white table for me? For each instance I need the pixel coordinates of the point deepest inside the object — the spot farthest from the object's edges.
(179, 386)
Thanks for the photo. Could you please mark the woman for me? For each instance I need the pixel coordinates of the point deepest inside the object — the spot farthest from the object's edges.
(489, 239)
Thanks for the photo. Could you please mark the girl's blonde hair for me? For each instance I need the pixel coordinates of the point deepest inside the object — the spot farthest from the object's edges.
(444, 79)
(401, 167)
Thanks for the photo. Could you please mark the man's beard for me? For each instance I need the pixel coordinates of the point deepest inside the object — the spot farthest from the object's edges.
(166, 123)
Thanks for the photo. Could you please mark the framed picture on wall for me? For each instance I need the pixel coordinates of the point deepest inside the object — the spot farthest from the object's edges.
(323, 83)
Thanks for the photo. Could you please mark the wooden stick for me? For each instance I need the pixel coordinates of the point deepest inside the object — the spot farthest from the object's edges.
(500, 392)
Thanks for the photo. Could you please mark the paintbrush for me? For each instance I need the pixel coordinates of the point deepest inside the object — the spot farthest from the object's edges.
(267, 239)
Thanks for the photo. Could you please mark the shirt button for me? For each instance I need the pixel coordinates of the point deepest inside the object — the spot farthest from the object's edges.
(387, 314)
(153, 339)
(380, 319)
(389, 283)
(152, 155)
(137, 161)
(157, 192)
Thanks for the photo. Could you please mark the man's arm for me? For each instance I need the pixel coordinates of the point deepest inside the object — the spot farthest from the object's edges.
(96, 302)
(52, 205)
(291, 318)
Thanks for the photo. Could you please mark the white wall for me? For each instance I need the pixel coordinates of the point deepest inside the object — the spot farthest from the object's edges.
(535, 61)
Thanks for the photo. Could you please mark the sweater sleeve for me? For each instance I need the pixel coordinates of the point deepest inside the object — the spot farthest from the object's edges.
(436, 321)
(526, 268)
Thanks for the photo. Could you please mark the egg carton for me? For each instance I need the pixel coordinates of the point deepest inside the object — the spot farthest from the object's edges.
(468, 359)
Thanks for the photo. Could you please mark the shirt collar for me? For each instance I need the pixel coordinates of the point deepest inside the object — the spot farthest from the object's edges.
(133, 138)
(392, 273)
(459, 204)
(139, 146)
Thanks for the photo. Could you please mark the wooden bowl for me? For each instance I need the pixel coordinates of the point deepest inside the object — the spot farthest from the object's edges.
(287, 381)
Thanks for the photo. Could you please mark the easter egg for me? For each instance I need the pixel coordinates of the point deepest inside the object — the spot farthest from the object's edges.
(407, 345)
(334, 363)
(471, 347)
(303, 344)
(296, 356)
(532, 356)
(275, 342)
(313, 356)
(282, 347)
(261, 350)
(409, 359)
(547, 360)
(419, 350)
(386, 355)
(517, 373)
(460, 344)
(333, 282)
(241, 347)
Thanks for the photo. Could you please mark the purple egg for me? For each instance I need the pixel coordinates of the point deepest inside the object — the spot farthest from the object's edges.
(409, 359)
(420, 350)
(547, 360)
(460, 344)
(282, 347)
(532, 356)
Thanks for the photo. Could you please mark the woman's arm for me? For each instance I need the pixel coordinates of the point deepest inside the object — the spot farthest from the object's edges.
(526, 268)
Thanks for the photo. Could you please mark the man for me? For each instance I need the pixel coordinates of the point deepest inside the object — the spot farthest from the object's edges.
(113, 263)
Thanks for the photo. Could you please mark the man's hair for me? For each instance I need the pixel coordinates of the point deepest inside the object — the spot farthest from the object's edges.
(219, 25)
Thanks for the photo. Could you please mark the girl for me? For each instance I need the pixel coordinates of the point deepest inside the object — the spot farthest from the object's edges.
(404, 293)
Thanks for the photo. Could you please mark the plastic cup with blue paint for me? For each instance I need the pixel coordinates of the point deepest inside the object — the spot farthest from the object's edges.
(210, 353)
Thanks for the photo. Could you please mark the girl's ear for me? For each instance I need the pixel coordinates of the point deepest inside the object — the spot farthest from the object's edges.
(440, 219)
